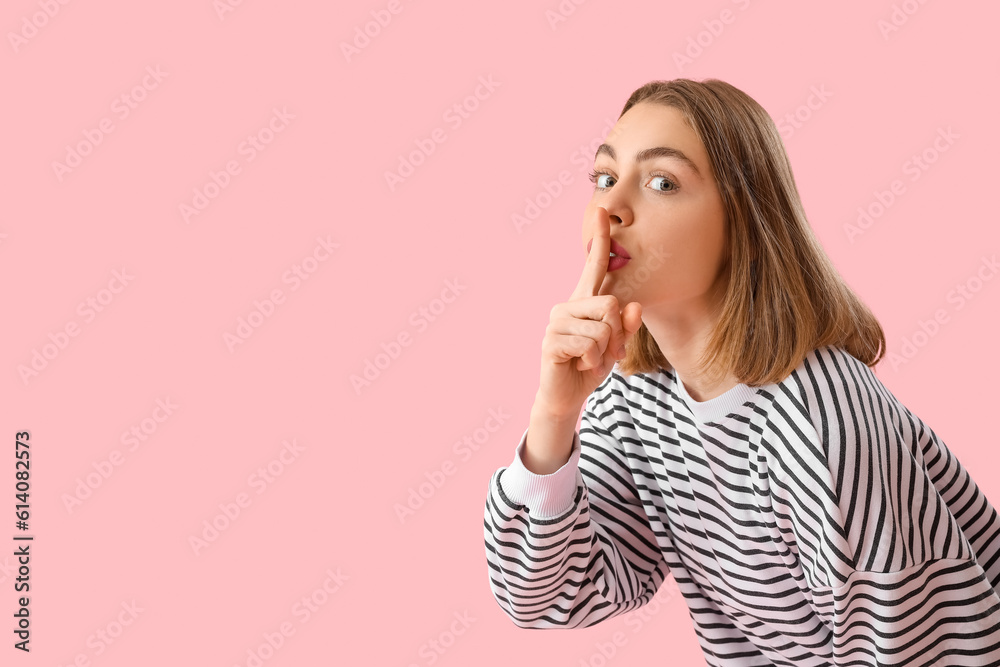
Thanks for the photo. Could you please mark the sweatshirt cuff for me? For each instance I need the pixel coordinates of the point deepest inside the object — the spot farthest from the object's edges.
(546, 496)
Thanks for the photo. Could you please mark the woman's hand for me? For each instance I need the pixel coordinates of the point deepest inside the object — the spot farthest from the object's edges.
(585, 335)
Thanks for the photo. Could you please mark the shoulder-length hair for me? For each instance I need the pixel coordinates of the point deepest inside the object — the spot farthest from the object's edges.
(784, 298)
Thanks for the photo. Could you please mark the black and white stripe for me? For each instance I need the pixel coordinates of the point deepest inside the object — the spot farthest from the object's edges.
(815, 521)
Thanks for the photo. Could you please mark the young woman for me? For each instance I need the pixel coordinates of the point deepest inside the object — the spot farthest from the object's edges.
(741, 441)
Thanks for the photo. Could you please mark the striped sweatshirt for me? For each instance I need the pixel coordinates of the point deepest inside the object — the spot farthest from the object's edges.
(814, 521)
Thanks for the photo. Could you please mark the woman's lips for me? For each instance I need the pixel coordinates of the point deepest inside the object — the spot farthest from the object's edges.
(616, 263)
(616, 248)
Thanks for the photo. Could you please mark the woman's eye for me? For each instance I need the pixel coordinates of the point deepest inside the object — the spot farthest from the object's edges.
(665, 180)
(596, 176)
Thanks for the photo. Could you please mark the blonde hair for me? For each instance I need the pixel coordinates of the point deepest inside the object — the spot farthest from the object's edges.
(784, 297)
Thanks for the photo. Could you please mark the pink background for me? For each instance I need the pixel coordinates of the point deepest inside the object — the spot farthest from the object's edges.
(332, 506)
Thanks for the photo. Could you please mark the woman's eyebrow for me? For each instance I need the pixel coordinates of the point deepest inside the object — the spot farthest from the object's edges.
(650, 153)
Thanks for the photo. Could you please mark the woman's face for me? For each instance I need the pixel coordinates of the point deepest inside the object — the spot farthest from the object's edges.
(665, 211)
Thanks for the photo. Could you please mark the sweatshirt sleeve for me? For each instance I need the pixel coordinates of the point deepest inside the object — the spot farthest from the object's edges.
(574, 547)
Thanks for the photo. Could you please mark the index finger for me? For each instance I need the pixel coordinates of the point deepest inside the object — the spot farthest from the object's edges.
(596, 267)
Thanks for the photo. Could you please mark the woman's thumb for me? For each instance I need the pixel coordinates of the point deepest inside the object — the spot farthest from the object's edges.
(631, 319)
